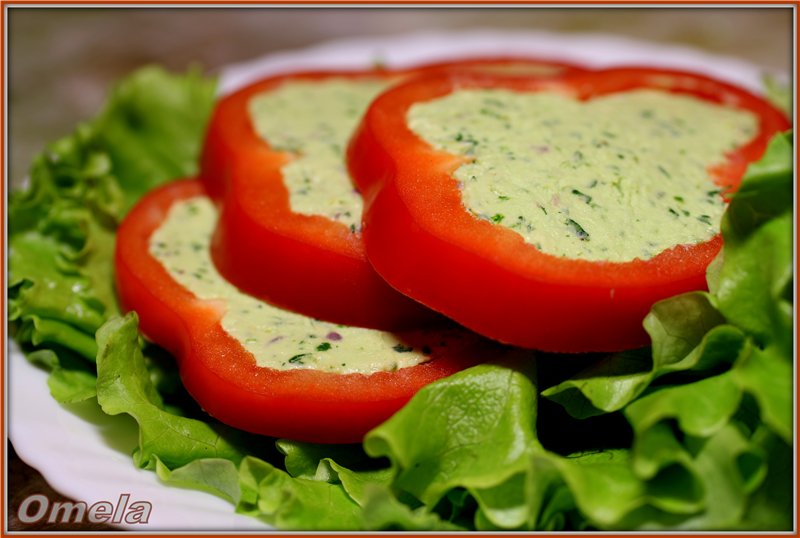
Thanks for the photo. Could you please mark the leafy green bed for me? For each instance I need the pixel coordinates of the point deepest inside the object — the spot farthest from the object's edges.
(693, 433)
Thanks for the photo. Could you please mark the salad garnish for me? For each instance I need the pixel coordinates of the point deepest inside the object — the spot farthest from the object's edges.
(694, 432)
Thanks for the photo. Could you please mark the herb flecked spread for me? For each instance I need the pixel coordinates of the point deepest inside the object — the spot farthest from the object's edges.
(618, 177)
(314, 120)
(277, 338)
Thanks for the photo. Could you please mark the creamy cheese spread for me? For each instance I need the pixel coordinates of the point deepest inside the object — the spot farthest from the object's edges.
(277, 338)
(314, 120)
(615, 178)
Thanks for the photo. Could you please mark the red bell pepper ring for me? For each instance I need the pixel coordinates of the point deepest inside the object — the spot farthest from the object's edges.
(307, 263)
(422, 240)
(223, 377)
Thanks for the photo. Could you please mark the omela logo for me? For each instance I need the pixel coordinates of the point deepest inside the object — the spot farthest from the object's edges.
(38, 509)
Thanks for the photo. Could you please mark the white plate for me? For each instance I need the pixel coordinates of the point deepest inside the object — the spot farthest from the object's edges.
(86, 455)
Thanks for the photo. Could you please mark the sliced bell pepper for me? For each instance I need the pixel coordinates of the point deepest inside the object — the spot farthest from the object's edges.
(307, 263)
(223, 377)
(420, 237)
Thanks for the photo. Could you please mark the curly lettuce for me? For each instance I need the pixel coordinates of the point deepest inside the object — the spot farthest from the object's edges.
(61, 227)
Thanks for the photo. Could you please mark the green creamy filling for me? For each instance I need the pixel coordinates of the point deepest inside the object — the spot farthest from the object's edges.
(277, 338)
(314, 120)
(618, 177)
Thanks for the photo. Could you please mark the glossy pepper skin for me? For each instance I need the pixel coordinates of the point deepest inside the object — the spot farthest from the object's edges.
(306, 263)
(223, 377)
(422, 240)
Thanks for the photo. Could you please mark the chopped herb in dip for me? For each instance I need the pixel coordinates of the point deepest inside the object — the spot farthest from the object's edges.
(615, 178)
(277, 338)
(314, 120)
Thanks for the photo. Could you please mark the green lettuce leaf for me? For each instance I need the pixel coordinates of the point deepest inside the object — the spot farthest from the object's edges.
(779, 93)
(771, 506)
(687, 333)
(480, 435)
(71, 378)
(382, 511)
(767, 376)
(62, 226)
(480, 428)
(762, 194)
(218, 476)
(151, 128)
(274, 496)
(124, 386)
(302, 460)
(755, 284)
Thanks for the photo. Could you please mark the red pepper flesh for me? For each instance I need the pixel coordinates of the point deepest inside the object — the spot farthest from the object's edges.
(302, 404)
(422, 240)
(306, 263)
